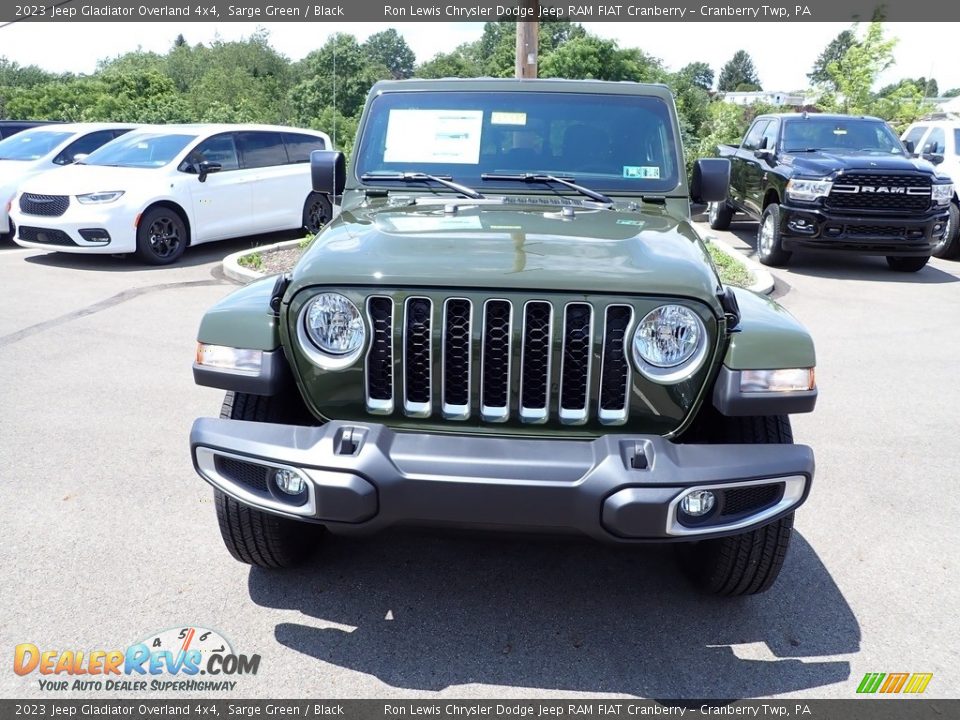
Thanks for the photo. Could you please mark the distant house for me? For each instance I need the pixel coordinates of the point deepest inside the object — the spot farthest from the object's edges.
(770, 97)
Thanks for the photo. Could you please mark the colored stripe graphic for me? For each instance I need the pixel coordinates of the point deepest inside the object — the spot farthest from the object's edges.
(918, 682)
(894, 682)
(913, 683)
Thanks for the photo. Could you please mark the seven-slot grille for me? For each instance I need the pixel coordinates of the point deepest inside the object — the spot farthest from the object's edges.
(531, 359)
(864, 191)
(44, 205)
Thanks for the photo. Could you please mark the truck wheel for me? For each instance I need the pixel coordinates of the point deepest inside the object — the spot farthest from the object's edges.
(719, 215)
(769, 240)
(316, 212)
(949, 246)
(161, 236)
(748, 563)
(253, 536)
(907, 264)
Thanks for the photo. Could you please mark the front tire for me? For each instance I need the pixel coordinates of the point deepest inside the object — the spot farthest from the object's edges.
(253, 536)
(748, 563)
(770, 240)
(907, 264)
(949, 246)
(719, 215)
(161, 236)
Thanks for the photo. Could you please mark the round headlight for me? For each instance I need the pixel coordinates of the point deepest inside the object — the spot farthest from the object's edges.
(669, 343)
(334, 324)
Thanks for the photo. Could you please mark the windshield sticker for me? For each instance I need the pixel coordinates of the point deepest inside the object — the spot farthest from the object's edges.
(634, 223)
(433, 136)
(433, 223)
(642, 172)
(508, 118)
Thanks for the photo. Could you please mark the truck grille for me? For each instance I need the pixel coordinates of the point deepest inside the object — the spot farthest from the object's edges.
(864, 191)
(44, 205)
(535, 359)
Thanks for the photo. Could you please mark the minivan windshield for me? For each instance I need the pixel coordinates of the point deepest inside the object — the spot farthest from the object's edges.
(140, 150)
(846, 135)
(31, 144)
(607, 142)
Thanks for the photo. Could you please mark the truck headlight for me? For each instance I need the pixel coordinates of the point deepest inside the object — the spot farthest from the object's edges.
(98, 198)
(942, 194)
(669, 344)
(808, 190)
(334, 326)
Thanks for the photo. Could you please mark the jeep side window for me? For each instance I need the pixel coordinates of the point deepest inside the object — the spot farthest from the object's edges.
(752, 140)
(261, 149)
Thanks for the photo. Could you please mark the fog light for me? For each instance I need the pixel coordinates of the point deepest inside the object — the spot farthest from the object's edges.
(698, 503)
(289, 482)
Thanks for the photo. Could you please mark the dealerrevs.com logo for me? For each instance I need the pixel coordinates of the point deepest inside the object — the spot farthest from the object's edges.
(179, 659)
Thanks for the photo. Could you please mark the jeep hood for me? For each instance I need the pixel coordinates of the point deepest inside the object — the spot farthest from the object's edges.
(823, 164)
(497, 245)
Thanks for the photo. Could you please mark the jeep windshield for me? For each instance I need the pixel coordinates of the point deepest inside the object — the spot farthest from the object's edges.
(609, 143)
(845, 135)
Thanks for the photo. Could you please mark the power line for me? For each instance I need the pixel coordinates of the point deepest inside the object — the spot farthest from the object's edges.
(29, 17)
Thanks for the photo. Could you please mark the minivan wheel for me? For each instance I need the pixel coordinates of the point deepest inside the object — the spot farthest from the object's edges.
(316, 212)
(161, 236)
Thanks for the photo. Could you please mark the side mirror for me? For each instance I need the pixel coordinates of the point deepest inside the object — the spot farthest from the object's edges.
(763, 153)
(80, 157)
(710, 180)
(910, 147)
(205, 168)
(328, 171)
(935, 158)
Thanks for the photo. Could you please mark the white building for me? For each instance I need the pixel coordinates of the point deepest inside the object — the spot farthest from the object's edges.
(770, 97)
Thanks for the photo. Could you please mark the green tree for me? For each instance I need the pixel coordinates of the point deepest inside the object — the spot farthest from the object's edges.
(590, 57)
(699, 74)
(389, 49)
(459, 63)
(856, 72)
(739, 70)
(833, 53)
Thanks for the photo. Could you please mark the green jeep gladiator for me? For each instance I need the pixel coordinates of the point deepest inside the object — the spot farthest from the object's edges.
(511, 325)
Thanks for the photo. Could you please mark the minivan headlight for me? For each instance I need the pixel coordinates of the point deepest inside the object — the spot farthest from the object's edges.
(333, 325)
(669, 344)
(98, 198)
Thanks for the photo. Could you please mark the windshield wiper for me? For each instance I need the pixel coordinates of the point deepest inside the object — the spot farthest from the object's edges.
(544, 178)
(444, 180)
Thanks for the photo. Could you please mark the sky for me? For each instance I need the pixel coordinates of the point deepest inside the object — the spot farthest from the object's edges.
(782, 52)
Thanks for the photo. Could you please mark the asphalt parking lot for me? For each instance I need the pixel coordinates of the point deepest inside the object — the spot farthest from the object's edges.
(110, 536)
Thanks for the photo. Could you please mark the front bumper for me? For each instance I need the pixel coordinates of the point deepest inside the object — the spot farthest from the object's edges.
(63, 233)
(864, 233)
(364, 477)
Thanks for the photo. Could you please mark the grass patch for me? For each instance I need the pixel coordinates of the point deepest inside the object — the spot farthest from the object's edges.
(305, 243)
(253, 261)
(732, 271)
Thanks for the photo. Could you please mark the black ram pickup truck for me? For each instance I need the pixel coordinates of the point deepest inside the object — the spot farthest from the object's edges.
(834, 182)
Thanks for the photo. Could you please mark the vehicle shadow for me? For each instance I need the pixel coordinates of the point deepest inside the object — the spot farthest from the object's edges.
(193, 256)
(842, 266)
(429, 611)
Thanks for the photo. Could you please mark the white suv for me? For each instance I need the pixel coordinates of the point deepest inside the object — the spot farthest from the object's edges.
(162, 188)
(43, 148)
(939, 142)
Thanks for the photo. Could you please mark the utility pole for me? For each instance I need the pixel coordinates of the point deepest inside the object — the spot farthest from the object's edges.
(528, 32)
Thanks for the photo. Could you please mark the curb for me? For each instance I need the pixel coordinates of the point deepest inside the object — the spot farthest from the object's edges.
(762, 279)
(237, 272)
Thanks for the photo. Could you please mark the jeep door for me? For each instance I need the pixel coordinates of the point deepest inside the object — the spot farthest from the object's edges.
(221, 203)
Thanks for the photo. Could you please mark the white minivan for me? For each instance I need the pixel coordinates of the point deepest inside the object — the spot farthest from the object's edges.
(939, 142)
(164, 187)
(46, 147)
